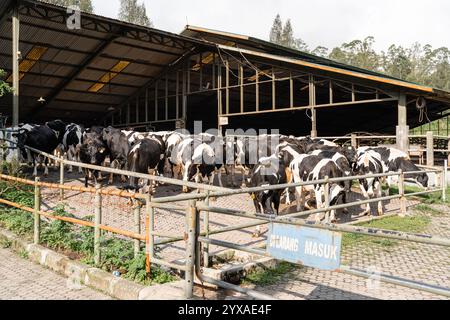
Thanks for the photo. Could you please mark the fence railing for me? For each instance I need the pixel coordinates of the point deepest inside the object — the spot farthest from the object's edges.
(198, 240)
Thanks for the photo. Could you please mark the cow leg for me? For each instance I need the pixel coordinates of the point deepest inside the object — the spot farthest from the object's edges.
(318, 196)
(186, 175)
(219, 176)
(113, 165)
(87, 174)
(380, 203)
(46, 167)
(70, 156)
(35, 169)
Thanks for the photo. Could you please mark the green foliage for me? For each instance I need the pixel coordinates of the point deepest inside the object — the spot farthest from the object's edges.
(117, 254)
(4, 87)
(132, 12)
(268, 276)
(284, 35)
(85, 5)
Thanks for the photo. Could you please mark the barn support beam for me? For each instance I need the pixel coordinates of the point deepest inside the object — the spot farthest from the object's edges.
(402, 127)
(15, 64)
(312, 104)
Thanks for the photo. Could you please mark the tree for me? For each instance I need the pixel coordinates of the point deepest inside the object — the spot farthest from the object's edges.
(4, 87)
(85, 5)
(359, 53)
(276, 31)
(396, 62)
(284, 36)
(132, 12)
(287, 36)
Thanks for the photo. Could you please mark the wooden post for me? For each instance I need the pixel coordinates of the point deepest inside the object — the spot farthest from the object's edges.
(137, 227)
(15, 65)
(97, 222)
(448, 148)
(444, 181)
(206, 230)
(401, 190)
(37, 209)
(191, 243)
(61, 178)
(149, 237)
(402, 127)
(430, 148)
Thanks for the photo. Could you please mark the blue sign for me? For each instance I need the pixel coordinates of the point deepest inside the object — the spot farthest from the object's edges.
(307, 246)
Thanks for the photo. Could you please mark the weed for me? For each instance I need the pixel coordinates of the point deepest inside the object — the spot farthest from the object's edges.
(5, 243)
(23, 254)
(269, 276)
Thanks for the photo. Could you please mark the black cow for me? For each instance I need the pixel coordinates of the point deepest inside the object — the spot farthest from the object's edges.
(93, 151)
(118, 147)
(44, 138)
(145, 157)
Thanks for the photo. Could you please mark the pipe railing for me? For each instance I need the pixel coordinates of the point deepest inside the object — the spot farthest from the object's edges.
(192, 250)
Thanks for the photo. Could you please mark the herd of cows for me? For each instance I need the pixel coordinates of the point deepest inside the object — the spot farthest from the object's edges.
(264, 160)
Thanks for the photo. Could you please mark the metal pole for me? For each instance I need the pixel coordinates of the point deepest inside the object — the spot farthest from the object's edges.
(401, 189)
(190, 249)
(444, 182)
(15, 64)
(430, 148)
(149, 228)
(37, 209)
(61, 178)
(354, 141)
(206, 231)
(97, 222)
(137, 227)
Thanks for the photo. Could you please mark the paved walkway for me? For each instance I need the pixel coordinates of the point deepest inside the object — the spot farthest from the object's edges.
(21, 279)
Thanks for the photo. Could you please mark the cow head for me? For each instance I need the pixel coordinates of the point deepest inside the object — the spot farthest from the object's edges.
(93, 150)
(58, 126)
(263, 201)
(351, 154)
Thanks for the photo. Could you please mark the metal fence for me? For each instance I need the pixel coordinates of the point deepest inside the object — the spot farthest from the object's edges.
(197, 240)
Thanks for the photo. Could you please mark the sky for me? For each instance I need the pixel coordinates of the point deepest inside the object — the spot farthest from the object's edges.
(320, 22)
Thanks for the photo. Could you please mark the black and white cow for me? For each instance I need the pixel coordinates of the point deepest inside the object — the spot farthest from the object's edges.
(146, 157)
(268, 172)
(205, 163)
(308, 168)
(72, 141)
(369, 162)
(93, 151)
(118, 147)
(172, 143)
(394, 160)
(45, 138)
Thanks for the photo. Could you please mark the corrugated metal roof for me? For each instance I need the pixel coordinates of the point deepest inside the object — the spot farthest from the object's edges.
(278, 52)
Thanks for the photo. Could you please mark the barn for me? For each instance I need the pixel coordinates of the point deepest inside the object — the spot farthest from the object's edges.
(104, 71)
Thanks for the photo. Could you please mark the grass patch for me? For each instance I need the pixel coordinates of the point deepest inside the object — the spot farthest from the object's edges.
(5, 244)
(407, 224)
(427, 209)
(75, 241)
(269, 276)
(430, 198)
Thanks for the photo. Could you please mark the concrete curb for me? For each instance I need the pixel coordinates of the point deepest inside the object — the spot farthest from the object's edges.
(95, 278)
